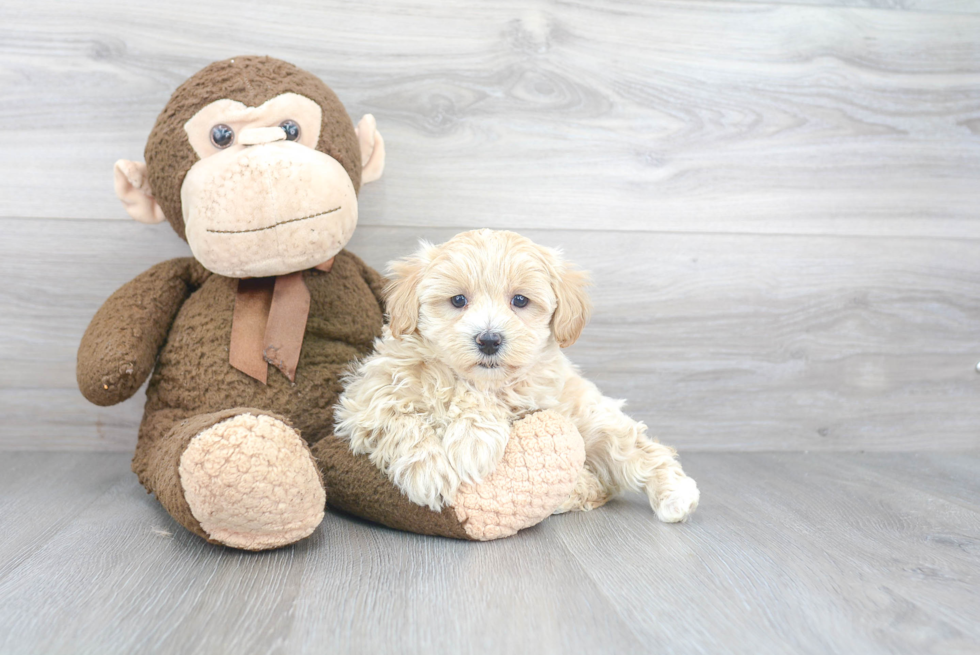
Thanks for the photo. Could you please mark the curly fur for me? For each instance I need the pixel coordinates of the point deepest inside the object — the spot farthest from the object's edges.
(432, 411)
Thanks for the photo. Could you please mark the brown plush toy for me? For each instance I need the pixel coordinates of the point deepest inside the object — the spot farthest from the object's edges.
(257, 165)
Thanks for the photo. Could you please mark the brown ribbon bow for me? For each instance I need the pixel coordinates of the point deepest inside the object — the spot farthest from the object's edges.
(269, 323)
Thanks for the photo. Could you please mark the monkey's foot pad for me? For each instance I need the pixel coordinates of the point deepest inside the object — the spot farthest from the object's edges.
(251, 483)
(541, 463)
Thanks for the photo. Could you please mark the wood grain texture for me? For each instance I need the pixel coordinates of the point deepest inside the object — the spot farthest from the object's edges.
(829, 553)
(778, 201)
(928, 6)
(41, 494)
(721, 342)
(667, 116)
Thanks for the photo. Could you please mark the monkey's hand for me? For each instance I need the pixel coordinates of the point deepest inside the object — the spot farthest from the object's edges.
(121, 344)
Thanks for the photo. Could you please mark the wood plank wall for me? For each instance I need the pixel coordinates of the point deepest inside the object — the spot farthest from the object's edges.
(779, 202)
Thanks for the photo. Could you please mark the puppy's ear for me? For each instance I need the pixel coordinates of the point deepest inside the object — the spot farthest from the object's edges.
(401, 294)
(574, 305)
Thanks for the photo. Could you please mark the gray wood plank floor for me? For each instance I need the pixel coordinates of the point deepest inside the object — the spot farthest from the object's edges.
(789, 553)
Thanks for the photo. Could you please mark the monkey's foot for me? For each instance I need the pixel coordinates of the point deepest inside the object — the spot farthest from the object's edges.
(541, 464)
(251, 483)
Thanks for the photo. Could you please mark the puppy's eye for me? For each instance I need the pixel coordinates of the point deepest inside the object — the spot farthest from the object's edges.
(519, 301)
(222, 136)
(291, 128)
(458, 301)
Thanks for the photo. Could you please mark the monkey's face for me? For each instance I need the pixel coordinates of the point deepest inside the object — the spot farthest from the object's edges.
(262, 200)
(257, 164)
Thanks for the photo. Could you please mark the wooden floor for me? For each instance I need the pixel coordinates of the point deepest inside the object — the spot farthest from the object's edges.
(789, 553)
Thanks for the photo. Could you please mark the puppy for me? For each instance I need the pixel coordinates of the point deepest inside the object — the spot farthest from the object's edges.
(474, 343)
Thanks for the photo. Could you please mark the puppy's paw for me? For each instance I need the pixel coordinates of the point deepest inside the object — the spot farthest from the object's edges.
(426, 477)
(475, 449)
(677, 501)
(588, 494)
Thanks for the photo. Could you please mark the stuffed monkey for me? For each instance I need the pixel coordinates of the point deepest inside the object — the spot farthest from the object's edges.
(256, 164)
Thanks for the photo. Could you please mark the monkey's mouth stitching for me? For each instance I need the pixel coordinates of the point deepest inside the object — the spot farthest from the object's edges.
(269, 227)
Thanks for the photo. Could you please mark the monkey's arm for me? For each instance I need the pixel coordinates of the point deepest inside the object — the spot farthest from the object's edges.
(120, 346)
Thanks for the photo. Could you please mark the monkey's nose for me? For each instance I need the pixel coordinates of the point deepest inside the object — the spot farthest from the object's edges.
(255, 136)
(489, 342)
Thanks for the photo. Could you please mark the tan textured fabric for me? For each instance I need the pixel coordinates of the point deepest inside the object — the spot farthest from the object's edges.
(251, 483)
(252, 81)
(372, 149)
(267, 210)
(158, 452)
(258, 135)
(541, 463)
(133, 190)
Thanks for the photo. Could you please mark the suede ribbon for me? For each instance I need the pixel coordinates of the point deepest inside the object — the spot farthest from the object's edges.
(269, 323)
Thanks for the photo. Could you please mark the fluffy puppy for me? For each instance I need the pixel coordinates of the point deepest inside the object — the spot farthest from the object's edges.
(474, 343)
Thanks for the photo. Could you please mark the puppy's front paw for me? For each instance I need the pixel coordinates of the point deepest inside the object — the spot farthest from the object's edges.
(588, 494)
(677, 500)
(426, 477)
(475, 449)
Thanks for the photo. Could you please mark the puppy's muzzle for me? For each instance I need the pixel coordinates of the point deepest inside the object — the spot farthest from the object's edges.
(489, 342)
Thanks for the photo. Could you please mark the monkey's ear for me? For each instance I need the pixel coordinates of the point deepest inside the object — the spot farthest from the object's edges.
(372, 149)
(402, 292)
(133, 188)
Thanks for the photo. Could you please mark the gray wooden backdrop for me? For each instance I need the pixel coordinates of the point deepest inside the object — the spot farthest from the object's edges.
(779, 202)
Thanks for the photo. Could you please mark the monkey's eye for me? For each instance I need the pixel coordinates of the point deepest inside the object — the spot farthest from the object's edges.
(291, 128)
(222, 136)
(458, 301)
(519, 301)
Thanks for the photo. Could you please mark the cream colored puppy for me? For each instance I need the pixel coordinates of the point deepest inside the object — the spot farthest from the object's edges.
(474, 343)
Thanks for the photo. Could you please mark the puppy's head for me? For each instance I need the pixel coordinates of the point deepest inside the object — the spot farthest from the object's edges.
(488, 302)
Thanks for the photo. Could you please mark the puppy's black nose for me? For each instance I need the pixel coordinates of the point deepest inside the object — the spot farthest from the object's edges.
(489, 342)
